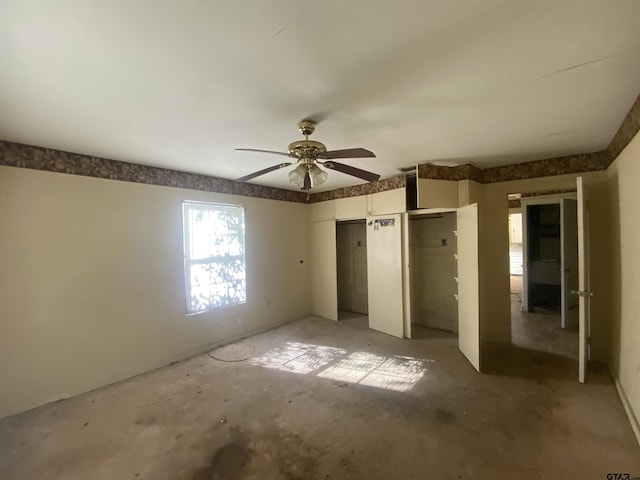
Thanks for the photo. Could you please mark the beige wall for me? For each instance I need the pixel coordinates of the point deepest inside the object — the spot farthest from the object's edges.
(92, 282)
(494, 255)
(624, 182)
(92, 276)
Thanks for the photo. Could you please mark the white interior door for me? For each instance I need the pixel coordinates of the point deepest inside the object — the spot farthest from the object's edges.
(468, 284)
(324, 282)
(569, 262)
(584, 289)
(385, 274)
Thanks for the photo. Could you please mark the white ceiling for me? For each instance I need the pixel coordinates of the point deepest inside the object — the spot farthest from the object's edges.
(180, 84)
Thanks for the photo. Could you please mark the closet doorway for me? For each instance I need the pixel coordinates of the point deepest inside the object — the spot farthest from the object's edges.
(351, 251)
(434, 271)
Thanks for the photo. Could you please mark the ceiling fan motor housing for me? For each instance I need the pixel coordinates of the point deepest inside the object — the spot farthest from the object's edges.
(306, 149)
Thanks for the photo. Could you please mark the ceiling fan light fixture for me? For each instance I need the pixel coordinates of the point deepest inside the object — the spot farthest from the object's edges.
(296, 176)
(308, 154)
(317, 175)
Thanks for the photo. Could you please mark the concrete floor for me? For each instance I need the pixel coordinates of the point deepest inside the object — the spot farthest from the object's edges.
(539, 330)
(322, 400)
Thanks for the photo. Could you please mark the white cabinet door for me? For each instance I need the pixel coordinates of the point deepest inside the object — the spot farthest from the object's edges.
(385, 274)
(324, 282)
(351, 208)
(584, 288)
(386, 203)
(468, 284)
(437, 193)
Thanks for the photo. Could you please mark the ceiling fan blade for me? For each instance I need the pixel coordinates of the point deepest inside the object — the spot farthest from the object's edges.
(262, 172)
(307, 182)
(262, 151)
(349, 170)
(348, 153)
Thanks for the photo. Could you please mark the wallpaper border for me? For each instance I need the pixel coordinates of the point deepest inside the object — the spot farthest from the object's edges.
(586, 162)
(51, 160)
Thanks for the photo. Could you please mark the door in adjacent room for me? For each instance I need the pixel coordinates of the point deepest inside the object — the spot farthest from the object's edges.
(544, 311)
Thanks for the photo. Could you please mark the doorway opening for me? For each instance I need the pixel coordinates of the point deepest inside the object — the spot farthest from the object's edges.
(434, 271)
(515, 238)
(544, 272)
(351, 256)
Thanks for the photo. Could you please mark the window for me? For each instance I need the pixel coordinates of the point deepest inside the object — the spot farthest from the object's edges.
(214, 267)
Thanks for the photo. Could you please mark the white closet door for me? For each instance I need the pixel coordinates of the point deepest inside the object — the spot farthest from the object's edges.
(468, 284)
(324, 283)
(385, 274)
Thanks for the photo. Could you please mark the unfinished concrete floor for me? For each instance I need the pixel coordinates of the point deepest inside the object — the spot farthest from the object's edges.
(322, 400)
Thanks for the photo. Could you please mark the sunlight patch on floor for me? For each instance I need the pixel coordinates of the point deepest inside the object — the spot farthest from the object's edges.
(298, 357)
(396, 373)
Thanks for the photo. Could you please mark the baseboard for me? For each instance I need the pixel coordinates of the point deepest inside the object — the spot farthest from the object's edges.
(635, 425)
(126, 375)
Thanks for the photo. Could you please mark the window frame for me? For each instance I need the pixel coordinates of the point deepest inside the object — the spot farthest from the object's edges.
(188, 262)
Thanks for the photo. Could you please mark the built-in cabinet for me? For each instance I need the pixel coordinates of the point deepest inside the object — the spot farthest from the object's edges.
(383, 203)
(441, 194)
(437, 193)
(351, 208)
(391, 296)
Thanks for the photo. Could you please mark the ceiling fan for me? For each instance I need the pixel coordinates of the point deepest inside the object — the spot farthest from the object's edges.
(308, 155)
